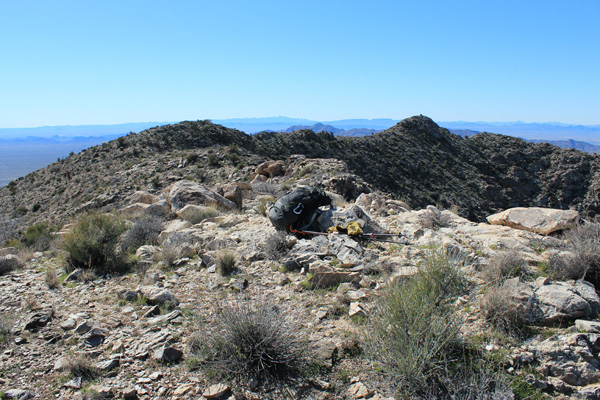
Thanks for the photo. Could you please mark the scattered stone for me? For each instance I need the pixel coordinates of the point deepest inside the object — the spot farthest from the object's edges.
(38, 320)
(326, 352)
(356, 310)
(68, 324)
(183, 389)
(168, 354)
(216, 391)
(359, 390)
(328, 279)
(108, 365)
(74, 383)
(129, 393)
(101, 391)
(587, 326)
(84, 327)
(19, 394)
(156, 295)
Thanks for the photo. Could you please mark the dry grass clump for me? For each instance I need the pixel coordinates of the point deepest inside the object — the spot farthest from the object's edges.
(415, 327)
(5, 327)
(503, 311)
(226, 262)
(94, 243)
(434, 219)
(252, 342)
(144, 231)
(10, 263)
(52, 279)
(583, 258)
(173, 248)
(506, 265)
(80, 366)
(276, 245)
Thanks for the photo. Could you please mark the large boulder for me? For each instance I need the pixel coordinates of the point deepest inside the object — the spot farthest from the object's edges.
(271, 168)
(142, 197)
(195, 214)
(185, 192)
(535, 219)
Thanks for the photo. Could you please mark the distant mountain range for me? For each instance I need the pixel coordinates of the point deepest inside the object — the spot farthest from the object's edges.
(23, 150)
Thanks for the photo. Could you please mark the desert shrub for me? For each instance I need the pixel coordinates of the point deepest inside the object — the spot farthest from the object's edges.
(226, 262)
(252, 341)
(505, 265)
(503, 311)
(583, 244)
(276, 246)
(80, 366)
(52, 279)
(414, 327)
(471, 380)
(176, 246)
(5, 327)
(93, 243)
(434, 219)
(10, 263)
(39, 236)
(212, 159)
(144, 231)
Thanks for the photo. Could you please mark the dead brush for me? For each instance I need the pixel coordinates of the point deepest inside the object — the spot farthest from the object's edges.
(582, 259)
(276, 246)
(503, 311)
(506, 265)
(80, 366)
(52, 279)
(434, 219)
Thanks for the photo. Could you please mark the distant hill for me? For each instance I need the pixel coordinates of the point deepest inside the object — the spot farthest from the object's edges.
(565, 144)
(536, 131)
(336, 131)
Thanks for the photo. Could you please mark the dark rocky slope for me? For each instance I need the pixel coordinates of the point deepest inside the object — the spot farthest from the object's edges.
(415, 160)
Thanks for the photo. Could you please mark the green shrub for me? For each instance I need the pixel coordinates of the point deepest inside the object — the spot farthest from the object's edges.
(414, 326)
(39, 236)
(252, 341)
(212, 159)
(226, 262)
(93, 243)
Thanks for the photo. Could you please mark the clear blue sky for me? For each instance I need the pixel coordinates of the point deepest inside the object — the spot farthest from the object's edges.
(106, 62)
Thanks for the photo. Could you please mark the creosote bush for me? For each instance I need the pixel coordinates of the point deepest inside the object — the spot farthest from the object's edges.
(251, 341)
(39, 236)
(93, 243)
(226, 262)
(414, 326)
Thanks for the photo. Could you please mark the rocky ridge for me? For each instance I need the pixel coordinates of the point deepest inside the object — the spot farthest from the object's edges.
(415, 160)
(138, 328)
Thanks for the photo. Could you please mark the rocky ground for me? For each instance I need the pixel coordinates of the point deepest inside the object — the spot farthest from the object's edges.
(136, 331)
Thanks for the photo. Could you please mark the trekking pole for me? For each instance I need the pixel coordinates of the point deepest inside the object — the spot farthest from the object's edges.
(362, 235)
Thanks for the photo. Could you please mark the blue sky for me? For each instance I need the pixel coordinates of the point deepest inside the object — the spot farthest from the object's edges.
(107, 62)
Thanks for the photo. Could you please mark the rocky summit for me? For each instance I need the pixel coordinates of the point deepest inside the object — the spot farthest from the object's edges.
(145, 268)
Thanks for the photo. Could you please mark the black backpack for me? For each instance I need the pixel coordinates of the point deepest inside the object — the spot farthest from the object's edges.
(296, 209)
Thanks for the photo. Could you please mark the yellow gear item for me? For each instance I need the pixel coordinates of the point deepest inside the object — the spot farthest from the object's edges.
(354, 229)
